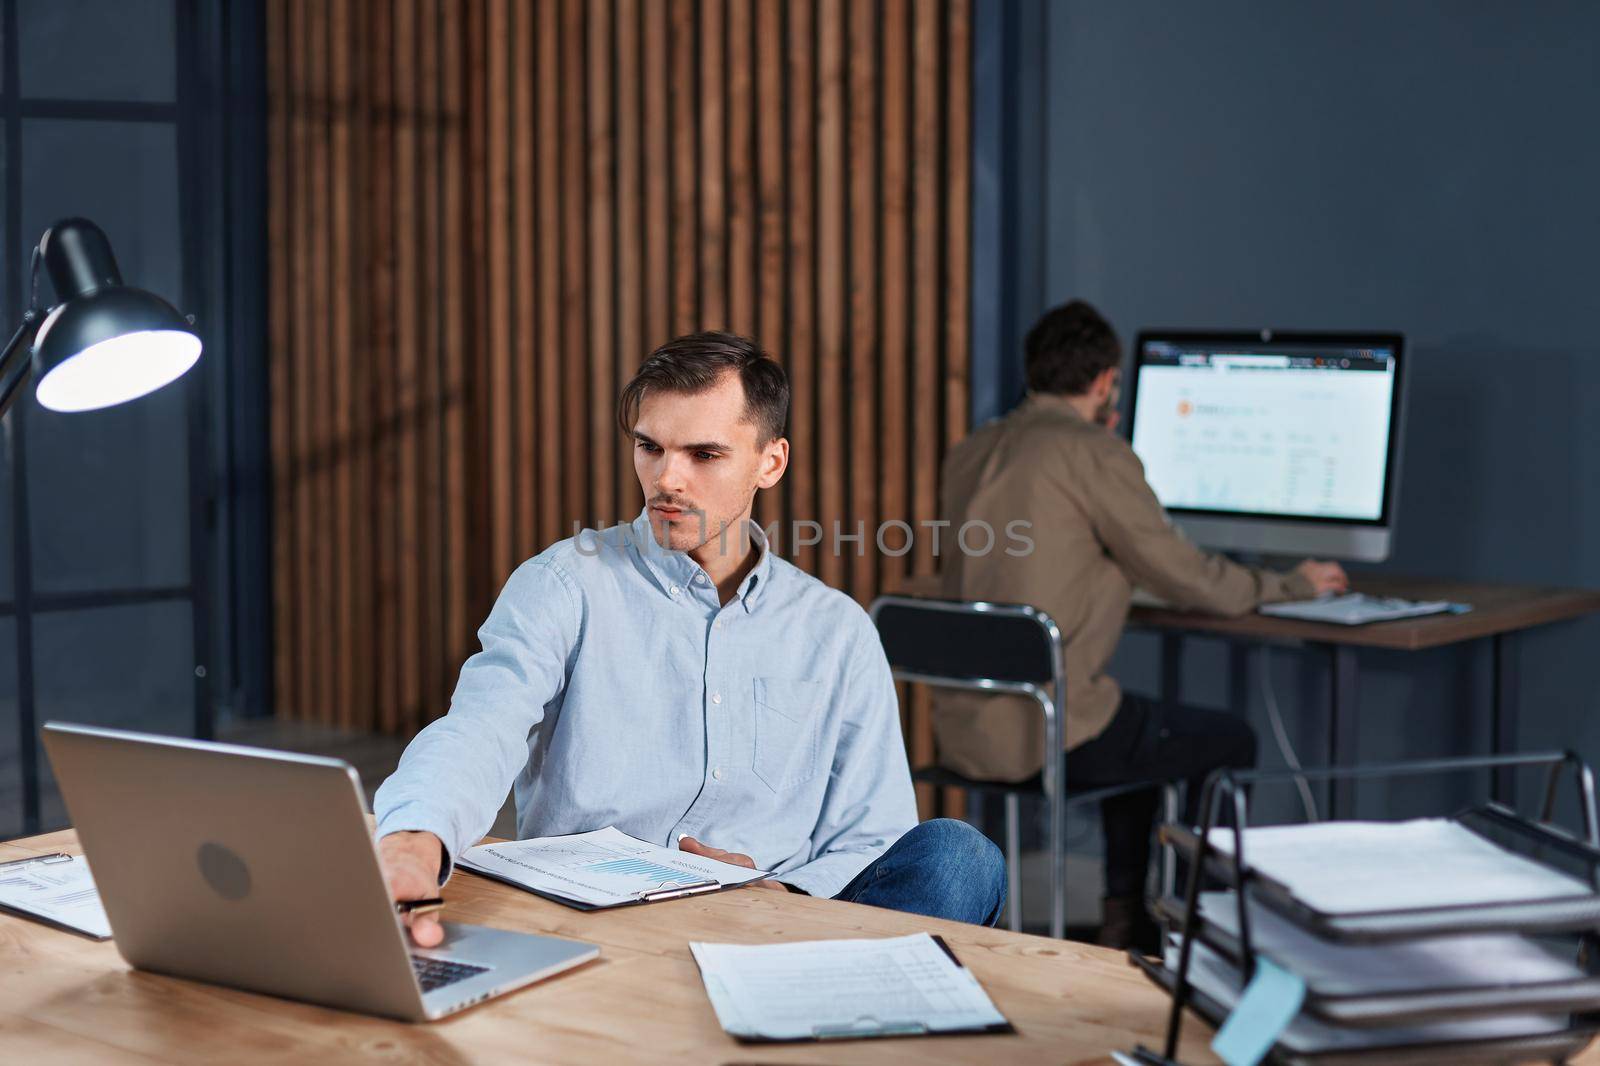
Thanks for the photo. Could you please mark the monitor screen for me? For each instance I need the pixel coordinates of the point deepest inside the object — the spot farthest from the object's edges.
(1294, 427)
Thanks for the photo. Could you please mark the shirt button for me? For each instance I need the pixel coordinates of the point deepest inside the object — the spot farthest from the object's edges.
(717, 773)
(716, 697)
(717, 624)
(676, 590)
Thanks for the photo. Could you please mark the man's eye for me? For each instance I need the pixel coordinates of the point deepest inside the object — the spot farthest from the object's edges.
(645, 445)
(705, 456)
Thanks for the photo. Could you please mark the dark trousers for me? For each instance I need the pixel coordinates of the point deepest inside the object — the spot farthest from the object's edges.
(1149, 741)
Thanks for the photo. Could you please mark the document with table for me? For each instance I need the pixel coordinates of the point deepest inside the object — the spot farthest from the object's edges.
(844, 989)
(605, 868)
(56, 890)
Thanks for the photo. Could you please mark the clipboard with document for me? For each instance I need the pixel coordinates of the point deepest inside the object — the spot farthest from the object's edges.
(603, 869)
(829, 990)
(55, 890)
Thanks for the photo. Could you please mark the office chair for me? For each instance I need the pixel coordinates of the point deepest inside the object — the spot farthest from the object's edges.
(997, 647)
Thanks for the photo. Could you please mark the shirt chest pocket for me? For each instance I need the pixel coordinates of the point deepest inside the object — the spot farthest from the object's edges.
(788, 732)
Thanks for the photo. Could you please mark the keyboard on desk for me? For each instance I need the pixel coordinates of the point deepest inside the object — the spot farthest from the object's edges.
(436, 973)
(1356, 608)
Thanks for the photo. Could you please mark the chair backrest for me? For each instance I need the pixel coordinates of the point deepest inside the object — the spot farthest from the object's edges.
(962, 642)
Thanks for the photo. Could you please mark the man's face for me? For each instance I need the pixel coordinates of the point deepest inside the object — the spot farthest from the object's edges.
(700, 462)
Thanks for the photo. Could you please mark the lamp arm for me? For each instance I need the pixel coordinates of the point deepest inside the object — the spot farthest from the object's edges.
(16, 364)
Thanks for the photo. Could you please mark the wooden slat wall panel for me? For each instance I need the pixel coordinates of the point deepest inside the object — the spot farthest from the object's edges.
(771, 223)
(632, 325)
(526, 291)
(484, 213)
(601, 345)
(800, 483)
(546, 135)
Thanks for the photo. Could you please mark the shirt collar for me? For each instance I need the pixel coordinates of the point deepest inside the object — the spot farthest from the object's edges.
(756, 581)
(1055, 402)
(675, 570)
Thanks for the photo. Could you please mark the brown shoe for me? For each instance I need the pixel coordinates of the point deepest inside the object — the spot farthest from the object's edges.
(1125, 924)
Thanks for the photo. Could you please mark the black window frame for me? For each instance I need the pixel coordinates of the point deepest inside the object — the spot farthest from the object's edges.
(218, 117)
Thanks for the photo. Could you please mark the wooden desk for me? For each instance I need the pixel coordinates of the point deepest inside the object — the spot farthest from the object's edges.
(1499, 613)
(67, 999)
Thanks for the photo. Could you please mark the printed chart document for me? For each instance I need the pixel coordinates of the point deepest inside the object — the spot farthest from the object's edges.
(833, 989)
(605, 868)
(57, 890)
(1369, 867)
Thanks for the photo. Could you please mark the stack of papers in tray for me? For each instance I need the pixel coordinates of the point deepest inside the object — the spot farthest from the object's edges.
(1341, 868)
(1485, 960)
(1216, 978)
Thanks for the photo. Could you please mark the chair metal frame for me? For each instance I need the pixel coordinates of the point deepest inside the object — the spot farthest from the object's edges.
(1053, 705)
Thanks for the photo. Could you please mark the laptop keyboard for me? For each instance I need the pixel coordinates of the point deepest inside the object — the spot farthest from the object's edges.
(436, 973)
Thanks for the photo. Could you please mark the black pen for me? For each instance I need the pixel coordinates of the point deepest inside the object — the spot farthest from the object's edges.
(419, 906)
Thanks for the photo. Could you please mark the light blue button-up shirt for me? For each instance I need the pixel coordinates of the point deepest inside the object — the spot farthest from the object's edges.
(614, 688)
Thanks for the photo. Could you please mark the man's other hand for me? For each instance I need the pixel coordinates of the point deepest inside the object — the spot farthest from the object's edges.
(694, 847)
(410, 863)
(1326, 578)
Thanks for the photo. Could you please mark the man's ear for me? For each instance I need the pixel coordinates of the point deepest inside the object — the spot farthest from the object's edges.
(1100, 388)
(774, 461)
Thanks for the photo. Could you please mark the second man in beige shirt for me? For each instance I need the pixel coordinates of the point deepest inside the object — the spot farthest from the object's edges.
(1097, 531)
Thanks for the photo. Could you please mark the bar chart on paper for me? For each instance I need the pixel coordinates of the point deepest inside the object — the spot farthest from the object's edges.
(636, 868)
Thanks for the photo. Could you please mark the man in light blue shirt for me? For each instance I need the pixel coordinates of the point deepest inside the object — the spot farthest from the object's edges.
(674, 678)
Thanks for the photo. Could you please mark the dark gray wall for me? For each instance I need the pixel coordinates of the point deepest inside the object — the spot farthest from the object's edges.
(1429, 167)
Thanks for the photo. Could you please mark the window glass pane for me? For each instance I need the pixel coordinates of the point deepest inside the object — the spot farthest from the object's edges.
(121, 175)
(10, 752)
(7, 507)
(97, 49)
(128, 667)
(109, 490)
(7, 502)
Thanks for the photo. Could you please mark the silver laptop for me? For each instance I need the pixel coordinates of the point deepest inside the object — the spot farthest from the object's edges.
(256, 869)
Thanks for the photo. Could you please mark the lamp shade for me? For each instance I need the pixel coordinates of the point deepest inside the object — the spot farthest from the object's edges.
(105, 343)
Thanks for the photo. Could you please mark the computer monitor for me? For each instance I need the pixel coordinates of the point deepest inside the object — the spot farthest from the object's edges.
(1277, 443)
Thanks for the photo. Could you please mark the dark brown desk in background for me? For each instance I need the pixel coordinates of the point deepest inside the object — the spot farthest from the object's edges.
(1499, 613)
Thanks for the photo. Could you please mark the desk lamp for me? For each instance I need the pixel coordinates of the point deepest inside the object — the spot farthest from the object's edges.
(104, 343)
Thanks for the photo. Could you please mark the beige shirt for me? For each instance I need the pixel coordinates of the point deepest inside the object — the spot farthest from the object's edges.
(1097, 531)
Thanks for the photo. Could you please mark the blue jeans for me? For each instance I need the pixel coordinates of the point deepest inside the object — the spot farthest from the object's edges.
(942, 869)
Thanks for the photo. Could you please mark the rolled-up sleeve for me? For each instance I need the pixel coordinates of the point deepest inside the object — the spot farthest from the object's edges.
(455, 773)
(869, 803)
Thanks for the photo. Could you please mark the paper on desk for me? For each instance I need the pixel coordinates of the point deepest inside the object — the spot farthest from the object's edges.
(1429, 965)
(55, 889)
(1215, 977)
(833, 988)
(1366, 867)
(602, 868)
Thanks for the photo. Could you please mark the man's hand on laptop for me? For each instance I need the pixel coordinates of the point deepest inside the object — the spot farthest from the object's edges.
(694, 847)
(1326, 578)
(411, 864)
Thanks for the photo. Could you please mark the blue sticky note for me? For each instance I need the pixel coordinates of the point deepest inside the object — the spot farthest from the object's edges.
(1268, 1005)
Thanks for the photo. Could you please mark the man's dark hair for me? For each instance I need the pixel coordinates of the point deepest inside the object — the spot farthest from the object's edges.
(1068, 348)
(693, 363)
